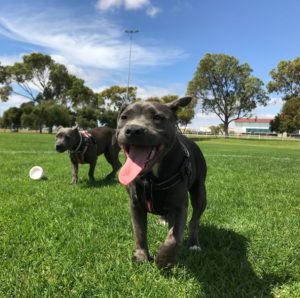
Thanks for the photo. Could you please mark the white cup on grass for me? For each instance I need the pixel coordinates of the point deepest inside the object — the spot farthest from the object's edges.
(36, 173)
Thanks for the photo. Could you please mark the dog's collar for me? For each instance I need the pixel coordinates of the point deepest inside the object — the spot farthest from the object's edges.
(80, 143)
(150, 183)
(85, 138)
(182, 173)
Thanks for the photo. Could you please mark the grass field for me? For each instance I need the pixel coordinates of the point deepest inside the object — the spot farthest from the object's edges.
(58, 240)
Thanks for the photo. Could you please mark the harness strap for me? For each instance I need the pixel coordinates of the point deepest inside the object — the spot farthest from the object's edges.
(85, 140)
(149, 185)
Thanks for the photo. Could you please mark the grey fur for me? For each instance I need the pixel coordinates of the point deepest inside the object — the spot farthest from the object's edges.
(68, 138)
(153, 124)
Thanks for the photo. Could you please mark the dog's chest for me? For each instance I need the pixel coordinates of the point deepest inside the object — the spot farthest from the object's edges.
(158, 199)
(155, 201)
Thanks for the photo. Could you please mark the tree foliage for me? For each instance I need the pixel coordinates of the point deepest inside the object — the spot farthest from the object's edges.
(5, 89)
(12, 118)
(110, 101)
(217, 129)
(39, 78)
(37, 116)
(286, 82)
(286, 79)
(87, 117)
(225, 87)
(289, 118)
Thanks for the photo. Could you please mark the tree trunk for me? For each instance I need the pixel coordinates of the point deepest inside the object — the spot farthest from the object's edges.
(226, 128)
(50, 129)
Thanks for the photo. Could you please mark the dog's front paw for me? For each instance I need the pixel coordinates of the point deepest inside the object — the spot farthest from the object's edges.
(141, 256)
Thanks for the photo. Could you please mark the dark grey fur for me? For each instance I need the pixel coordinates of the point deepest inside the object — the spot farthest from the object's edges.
(151, 124)
(105, 143)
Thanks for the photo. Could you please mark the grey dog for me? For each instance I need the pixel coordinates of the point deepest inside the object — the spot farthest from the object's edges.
(86, 146)
(161, 167)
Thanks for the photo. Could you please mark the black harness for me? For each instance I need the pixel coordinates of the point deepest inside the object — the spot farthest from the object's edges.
(77, 154)
(150, 189)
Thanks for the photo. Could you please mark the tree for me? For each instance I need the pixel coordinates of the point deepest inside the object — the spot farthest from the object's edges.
(289, 118)
(77, 94)
(38, 78)
(29, 119)
(56, 115)
(226, 88)
(31, 75)
(12, 118)
(286, 79)
(275, 124)
(5, 89)
(110, 101)
(87, 117)
(216, 130)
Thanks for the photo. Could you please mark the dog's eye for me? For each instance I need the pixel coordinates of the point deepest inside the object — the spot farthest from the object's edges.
(158, 117)
(123, 117)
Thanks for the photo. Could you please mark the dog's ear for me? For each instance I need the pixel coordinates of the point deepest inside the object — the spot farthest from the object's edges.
(180, 102)
(59, 127)
(76, 126)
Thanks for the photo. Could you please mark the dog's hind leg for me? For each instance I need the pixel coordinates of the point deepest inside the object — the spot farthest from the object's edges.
(198, 201)
(92, 169)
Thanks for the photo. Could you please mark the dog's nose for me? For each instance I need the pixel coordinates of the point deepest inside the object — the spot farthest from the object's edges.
(134, 130)
(58, 147)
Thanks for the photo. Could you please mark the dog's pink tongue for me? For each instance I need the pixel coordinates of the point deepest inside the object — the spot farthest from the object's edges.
(135, 162)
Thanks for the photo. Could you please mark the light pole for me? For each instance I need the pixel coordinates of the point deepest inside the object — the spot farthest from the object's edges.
(130, 32)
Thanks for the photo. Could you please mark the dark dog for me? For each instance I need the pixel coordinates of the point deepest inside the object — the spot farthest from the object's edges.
(161, 168)
(85, 147)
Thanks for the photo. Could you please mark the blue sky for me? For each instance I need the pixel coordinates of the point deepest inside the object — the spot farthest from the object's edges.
(88, 37)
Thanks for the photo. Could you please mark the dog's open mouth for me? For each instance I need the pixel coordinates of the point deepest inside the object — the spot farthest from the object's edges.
(139, 159)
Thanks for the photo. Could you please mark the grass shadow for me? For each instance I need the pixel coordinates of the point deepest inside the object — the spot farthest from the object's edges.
(98, 183)
(222, 267)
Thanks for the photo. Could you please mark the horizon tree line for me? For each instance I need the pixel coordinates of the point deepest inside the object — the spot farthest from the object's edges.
(220, 85)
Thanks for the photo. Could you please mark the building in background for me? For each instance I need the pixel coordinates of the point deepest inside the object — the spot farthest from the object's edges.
(252, 125)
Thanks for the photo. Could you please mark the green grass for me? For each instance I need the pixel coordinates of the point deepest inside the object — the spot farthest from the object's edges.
(59, 240)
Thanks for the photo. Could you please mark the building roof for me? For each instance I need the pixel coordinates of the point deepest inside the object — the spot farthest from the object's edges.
(253, 120)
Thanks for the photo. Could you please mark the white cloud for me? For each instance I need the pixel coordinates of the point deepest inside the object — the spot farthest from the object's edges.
(104, 5)
(127, 4)
(275, 101)
(135, 4)
(108, 4)
(94, 44)
(14, 101)
(147, 91)
(152, 11)
(10, 60)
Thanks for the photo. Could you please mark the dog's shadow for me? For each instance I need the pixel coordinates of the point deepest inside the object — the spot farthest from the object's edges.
(222, 267)
(98, 183)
